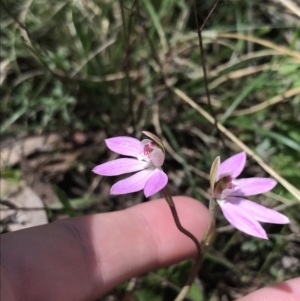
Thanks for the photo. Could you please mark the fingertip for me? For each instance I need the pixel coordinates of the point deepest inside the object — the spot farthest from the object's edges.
(174, 245)
(144, 237)
(287, 290)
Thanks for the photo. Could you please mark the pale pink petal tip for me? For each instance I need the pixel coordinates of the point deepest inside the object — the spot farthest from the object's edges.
(253, 186)
(233, 165)
(258, 212)
(241, 220)
(123, 145)
(155, 183)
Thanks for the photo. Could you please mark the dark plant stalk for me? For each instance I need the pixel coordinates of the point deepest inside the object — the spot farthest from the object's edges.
(205, 244)
(202, 58)
(166, 194)
(127, 59)
(213, 208)
(208, 237)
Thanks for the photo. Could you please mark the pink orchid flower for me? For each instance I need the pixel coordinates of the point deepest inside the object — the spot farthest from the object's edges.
(241, 213)
(148, 158)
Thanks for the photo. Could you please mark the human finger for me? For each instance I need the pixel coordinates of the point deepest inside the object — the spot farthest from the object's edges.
(82, 258)
(284, 291)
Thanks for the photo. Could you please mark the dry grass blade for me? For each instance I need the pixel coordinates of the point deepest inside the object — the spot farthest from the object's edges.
(243, 58)
(91, 55)
(242, 73)
(105, 78)
(268, 44)
(23, 29)
(4, 70)
(291, 6)
(267, 103)
(292, 189)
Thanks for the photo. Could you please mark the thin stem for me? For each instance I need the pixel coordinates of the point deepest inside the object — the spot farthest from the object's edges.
(127, 58)
(199, 256)
(210, 231)
(205, 244)
(213, 208)
(192, 275)
(208, 16)
(166, 194)
(202, 58)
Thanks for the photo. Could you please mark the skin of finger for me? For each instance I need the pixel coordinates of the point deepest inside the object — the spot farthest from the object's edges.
(82, 258)
(285, 291)
(6, 291)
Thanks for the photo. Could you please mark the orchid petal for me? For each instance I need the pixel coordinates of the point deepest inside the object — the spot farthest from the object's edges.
(233, 165)
(241, 220)
(154, 138)
(146, 141)
(253, 186)
(119, 167)
(123, 145)
(155, 183)
(259, 212)
(157, 157)
(134, 183)
(214, 173)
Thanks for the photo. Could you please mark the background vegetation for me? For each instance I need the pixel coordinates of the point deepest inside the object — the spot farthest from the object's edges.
(72, 74)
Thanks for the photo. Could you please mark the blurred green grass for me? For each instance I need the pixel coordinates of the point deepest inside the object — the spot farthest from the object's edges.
(63, 69)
